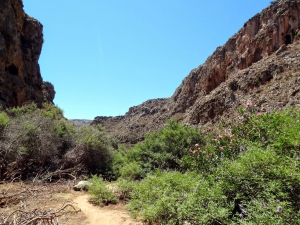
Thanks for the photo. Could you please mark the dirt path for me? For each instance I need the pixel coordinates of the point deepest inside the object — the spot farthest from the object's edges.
(108, 215)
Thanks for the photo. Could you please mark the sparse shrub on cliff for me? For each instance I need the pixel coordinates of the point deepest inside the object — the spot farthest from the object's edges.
(18, 111)
(4, 120)
(52, 111)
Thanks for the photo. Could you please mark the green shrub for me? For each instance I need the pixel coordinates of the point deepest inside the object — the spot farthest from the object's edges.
(279, 129)
(163, 149)
(42, 140)
(4, 120)
(99, 192)
(132, 171)
(125, 188)
(96, 148)
(262, 174)
(18, 111)
(175, 198)
(250, 175)
(52, 111)
(64, 128)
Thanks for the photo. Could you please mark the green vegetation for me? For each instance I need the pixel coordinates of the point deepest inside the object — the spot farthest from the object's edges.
(36, 142)
(164, 149)
(247, 173)
(100, 193)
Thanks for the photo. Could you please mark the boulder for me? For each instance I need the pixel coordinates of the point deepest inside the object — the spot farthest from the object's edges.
(81, 186)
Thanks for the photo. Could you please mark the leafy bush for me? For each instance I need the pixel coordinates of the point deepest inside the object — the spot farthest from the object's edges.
(262, 174)
(279, 129)
(96, 148)
(100, 194)
(36, 141)
(163, 149)
(175, 198)
(250, 175)
(132, 171)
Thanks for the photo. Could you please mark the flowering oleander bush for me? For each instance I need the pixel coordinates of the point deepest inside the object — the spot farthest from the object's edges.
(248, 173)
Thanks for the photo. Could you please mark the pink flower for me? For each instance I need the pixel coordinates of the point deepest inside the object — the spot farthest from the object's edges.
(249, 104)
(260, 113)
(194, 152)
(221, 148)
(214, 139)
(197, 145)
(231, 135)
(220, 136)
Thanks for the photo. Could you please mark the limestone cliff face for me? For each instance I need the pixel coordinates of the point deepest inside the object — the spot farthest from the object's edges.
(262, 35)
(259, 63)
(21, 40)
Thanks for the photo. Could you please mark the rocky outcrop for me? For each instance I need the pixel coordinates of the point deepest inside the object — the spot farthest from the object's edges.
(137, 122)
(81, 122)
(258, 63)
(21, 40)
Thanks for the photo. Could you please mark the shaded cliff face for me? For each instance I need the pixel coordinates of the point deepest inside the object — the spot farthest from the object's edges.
(245, 68)
(21, 40)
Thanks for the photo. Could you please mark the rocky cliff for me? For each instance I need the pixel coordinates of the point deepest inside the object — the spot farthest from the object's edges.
(260, 63)
(21, 40)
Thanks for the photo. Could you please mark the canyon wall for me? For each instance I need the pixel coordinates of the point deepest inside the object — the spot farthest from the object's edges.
(259, 63)
(21, 39)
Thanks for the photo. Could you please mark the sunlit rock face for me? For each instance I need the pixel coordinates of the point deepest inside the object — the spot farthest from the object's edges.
(260, 63)
(21, 39)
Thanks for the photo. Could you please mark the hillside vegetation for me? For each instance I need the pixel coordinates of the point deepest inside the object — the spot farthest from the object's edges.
(248, 173)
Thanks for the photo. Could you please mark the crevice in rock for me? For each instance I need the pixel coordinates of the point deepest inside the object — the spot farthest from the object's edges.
(288, 39)
(12, 69)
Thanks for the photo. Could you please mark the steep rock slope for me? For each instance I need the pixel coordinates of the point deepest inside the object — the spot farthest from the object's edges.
(21, 40)
(259, 63)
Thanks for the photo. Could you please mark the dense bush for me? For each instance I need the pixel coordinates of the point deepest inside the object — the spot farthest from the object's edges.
(262, 176)
(100, 194)
(37, 141)
(163, 149)
(175, 198)
(96, 148)
(248, 175)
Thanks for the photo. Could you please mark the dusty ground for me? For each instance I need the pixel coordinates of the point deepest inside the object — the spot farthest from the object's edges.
(108, 215)
(72, 207)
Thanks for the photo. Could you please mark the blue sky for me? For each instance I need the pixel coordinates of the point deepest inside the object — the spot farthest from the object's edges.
(104, 56)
